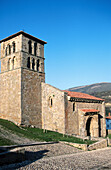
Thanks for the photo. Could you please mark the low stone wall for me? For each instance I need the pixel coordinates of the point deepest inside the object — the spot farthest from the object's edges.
(77, 145)
(109, 141)
(98, 145)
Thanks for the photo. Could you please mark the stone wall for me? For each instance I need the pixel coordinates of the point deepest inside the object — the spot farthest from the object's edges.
(31, 98)
(98, 145)
(10, 95)
(53, 108)
(77, 121)
(72, 119)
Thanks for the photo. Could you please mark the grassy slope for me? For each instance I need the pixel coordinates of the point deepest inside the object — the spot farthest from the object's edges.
(36, 134)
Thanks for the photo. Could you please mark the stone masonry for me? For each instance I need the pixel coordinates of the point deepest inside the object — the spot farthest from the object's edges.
(26, 99)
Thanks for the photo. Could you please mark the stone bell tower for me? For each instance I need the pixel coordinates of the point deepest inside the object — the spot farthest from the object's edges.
(22, 71)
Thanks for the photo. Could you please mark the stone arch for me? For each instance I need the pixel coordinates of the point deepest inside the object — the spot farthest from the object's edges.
(92, 128)
(14, 62)
(9, 64)
(88, 126)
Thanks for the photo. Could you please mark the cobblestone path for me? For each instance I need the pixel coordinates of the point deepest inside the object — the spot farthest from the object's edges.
(96, 159)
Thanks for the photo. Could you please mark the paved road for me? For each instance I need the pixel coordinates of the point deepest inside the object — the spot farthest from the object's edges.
(97, 160)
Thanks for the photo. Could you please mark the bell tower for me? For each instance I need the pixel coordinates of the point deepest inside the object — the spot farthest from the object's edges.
(22, 71)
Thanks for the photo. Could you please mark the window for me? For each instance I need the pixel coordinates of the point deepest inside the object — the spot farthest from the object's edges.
(35, 48)
(73, 107)
(28, 62)
(50, 101)
(14, 62)
(9, 47)
(13, 47)
(40, 51)
(33, 63)
(38, 61)
(30, 47)
(6, 51)
(9, 64)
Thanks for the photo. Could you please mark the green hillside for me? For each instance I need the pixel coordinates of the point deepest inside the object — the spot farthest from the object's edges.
(7, 129)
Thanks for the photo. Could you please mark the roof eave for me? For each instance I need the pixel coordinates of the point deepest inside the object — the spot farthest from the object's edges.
(25, 34)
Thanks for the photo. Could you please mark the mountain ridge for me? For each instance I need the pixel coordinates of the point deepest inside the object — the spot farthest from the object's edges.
(92, 88)
(100, 90)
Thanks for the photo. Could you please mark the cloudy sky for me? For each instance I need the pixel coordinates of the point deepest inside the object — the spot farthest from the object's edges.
(78, 35)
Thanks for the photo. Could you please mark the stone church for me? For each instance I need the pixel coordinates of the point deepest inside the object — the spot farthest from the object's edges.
(26, 99)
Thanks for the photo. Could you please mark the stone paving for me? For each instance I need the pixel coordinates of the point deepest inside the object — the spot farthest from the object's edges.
(63, 157)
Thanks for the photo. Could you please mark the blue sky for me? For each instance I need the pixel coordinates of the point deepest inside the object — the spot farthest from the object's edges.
(78, 35)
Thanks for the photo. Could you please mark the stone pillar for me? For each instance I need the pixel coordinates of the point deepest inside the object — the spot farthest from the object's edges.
(104, 120)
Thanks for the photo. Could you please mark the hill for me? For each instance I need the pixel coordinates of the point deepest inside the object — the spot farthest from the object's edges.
(93, 88)
(101, 90)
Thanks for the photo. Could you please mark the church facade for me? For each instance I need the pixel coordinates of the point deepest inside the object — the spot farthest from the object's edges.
(26, 99)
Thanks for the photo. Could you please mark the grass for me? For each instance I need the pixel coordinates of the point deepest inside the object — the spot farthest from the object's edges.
(4, 141)
(38, 135)
(109, 136)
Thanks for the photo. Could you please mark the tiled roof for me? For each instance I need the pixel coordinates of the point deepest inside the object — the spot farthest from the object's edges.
(89, 110)
(82, 95)
(108, 117)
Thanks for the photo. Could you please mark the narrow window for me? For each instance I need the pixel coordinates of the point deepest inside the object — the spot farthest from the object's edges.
(38, 64)
(6, 51)
(30, 47)
(50, 101)
(73, 107)
(9, 49)
(28, 62)
(13, 47)
(35, 49)
(40, 51)
(9, 64)
(33, 63)
(14, 62)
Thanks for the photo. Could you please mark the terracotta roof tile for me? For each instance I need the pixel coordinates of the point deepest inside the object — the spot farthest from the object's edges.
(89, 110)
(82, 95)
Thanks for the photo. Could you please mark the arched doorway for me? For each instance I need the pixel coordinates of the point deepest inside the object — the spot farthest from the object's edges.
(88, 126)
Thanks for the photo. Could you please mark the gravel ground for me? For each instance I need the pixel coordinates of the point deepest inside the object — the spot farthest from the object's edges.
(63, 157)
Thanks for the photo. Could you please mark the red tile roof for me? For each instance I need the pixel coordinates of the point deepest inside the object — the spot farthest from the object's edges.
(89, 110)
(82, 95)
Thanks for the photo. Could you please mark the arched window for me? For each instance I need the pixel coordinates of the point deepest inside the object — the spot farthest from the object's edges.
(35, 49)
(6, 51)
(33, 63)
(30, 47)
(13, 47)
(9, 48)
(73, 107)
(9, 64)
(28, 62)
(50, 102)
(14, 62)
(38, 64)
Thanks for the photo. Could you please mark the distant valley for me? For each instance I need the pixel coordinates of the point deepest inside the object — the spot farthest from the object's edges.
(101, 90)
